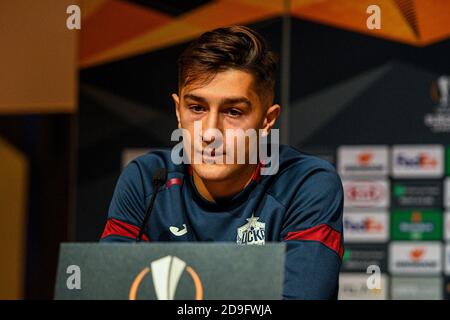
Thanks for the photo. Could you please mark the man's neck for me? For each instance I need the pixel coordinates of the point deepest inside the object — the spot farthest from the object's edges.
(214, 191)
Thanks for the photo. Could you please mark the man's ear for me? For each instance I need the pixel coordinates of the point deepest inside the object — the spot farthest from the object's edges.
(176, 99)
(272, 114)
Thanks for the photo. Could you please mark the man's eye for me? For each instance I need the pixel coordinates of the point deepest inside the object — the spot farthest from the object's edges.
(197, 108)
(234, 112)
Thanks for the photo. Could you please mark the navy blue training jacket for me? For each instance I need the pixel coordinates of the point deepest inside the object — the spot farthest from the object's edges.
(301, 205)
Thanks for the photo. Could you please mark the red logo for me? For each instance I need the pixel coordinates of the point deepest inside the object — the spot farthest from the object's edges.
(417, 254)
(364, 158)
(363, 193)
(416, 217)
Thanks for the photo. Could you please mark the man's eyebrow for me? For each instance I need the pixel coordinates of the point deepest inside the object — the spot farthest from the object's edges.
(194, 97)
(224, 101)
(236, 100)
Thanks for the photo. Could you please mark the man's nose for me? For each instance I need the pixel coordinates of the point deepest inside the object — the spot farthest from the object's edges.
(211, 126)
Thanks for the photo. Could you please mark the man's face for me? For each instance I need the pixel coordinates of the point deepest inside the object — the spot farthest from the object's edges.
(227, 102)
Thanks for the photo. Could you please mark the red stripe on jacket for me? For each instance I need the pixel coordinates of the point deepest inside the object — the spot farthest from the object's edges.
(116, 227)
(322, 233)
(174, 181)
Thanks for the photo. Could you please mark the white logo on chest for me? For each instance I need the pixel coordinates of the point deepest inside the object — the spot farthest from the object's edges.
(253, 232)
(178, 232)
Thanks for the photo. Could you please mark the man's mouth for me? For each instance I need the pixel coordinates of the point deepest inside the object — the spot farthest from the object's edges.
(210, 153)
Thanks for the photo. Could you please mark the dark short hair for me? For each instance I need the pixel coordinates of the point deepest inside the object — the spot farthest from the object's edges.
(235, 47)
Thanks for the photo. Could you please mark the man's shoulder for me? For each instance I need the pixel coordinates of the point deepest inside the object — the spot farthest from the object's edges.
(299, 171)
(156, 159)
(294, 162)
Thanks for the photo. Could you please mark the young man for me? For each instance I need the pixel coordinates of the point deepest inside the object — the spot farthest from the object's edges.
(226, 83)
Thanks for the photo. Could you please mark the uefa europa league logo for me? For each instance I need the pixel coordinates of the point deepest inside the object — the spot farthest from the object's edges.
(166, 273)
(441, 91)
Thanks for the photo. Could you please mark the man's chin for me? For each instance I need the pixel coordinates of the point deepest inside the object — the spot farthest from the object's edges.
(213, 172)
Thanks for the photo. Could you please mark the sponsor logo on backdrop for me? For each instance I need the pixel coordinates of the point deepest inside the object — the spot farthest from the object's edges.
(420, 288)
(417, 193)
(418, 161)
(439, 119)
(447, 226)
(366, 227)
(363, 160)
(357, 257)
(416, 225)
(415, 257)
(447, 192)
(363, 194)
(353, 286)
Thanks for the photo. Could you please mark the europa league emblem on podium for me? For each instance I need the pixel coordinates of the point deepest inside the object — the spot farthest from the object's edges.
(166, 273)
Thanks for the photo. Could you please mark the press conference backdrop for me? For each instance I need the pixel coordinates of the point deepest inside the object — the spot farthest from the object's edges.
(373, 102)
